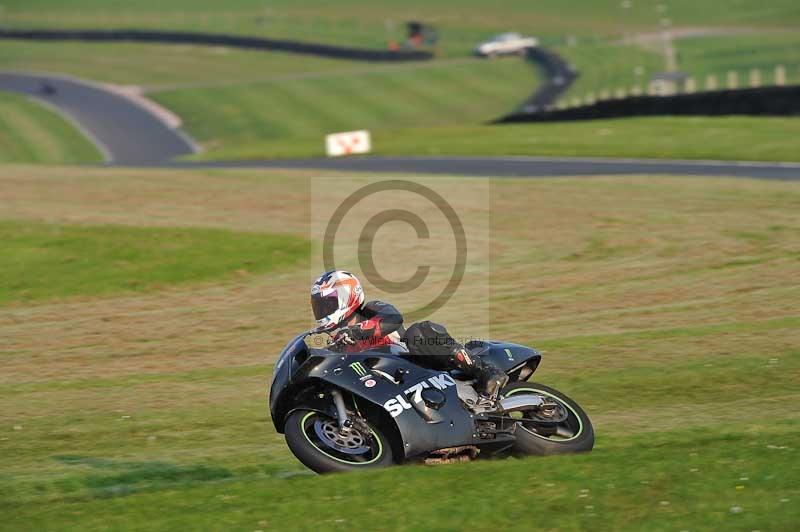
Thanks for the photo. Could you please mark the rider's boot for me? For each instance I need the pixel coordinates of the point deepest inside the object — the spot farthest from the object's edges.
(490, 378)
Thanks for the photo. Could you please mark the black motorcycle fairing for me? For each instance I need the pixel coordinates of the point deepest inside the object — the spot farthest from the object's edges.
(288, 361)
(420, 427)
(518, 361)
(392, 383)
(370, 376)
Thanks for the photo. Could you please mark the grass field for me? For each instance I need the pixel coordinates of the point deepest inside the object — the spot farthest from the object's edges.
(141, 311)
(741, 53)
(667, 306)
(608, 66)
(288, 117)
(455, 93)
(736, 138)
(182, 66)
(45, 261)
(359, 22)
(263, 104)
(30, 132)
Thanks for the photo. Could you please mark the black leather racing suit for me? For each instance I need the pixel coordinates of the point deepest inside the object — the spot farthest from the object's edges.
(442, 351)
(374, 324)
(377, 324)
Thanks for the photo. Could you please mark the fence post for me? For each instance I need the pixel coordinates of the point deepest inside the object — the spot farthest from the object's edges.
(690, 86)
(755, 78)
(711, 82)
(780, 75)
(733, 79)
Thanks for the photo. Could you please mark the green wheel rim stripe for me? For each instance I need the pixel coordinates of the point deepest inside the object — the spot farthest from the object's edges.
(377, 439)
(560, 400)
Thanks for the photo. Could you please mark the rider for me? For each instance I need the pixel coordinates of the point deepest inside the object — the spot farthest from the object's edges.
(337, 300)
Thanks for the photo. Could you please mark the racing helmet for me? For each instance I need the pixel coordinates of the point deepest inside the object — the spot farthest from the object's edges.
(335, 296)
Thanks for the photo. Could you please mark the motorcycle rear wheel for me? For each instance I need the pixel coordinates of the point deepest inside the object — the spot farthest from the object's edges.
(315, 439)
(562, 428)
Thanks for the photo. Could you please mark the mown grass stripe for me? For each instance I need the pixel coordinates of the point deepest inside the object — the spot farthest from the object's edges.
(29, 132)
(787, 322)
(47, 261)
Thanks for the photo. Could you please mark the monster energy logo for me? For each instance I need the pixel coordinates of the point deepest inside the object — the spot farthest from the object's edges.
(358, 367)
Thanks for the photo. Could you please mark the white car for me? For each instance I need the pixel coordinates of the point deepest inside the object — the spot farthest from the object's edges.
(506, 43)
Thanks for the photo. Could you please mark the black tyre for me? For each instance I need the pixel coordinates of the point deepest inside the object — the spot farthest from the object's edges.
(561, 427)
(314, 438)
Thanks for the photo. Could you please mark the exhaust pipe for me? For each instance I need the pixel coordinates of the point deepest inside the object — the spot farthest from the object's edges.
(521, 402)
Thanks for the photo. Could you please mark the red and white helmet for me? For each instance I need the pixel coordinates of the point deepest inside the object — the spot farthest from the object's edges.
(334, 298)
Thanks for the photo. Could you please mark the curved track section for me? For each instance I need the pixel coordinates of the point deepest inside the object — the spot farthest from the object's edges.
(127, 133)
(558, 74)
(131, 135)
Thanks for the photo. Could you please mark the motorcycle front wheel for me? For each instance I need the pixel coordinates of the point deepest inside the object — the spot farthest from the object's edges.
(560, 426)
(316, 440)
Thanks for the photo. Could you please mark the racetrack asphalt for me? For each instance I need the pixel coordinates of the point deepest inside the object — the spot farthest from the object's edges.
(122, 130)
(522, 166)
(130, 135)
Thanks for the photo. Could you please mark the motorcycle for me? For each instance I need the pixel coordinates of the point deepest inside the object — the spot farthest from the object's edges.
(350, 411)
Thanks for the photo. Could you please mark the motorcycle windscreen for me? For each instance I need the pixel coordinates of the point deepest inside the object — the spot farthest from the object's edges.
(324, 305)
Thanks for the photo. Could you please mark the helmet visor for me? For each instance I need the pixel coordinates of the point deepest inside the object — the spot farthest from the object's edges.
(324, 305)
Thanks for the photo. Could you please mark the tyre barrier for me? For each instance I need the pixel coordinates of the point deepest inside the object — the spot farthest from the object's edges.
(213, 39)
(762, 101)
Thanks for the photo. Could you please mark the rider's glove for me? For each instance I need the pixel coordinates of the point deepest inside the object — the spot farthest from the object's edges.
(346, 336)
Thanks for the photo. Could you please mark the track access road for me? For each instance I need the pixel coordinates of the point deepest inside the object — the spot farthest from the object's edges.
(523, 166)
